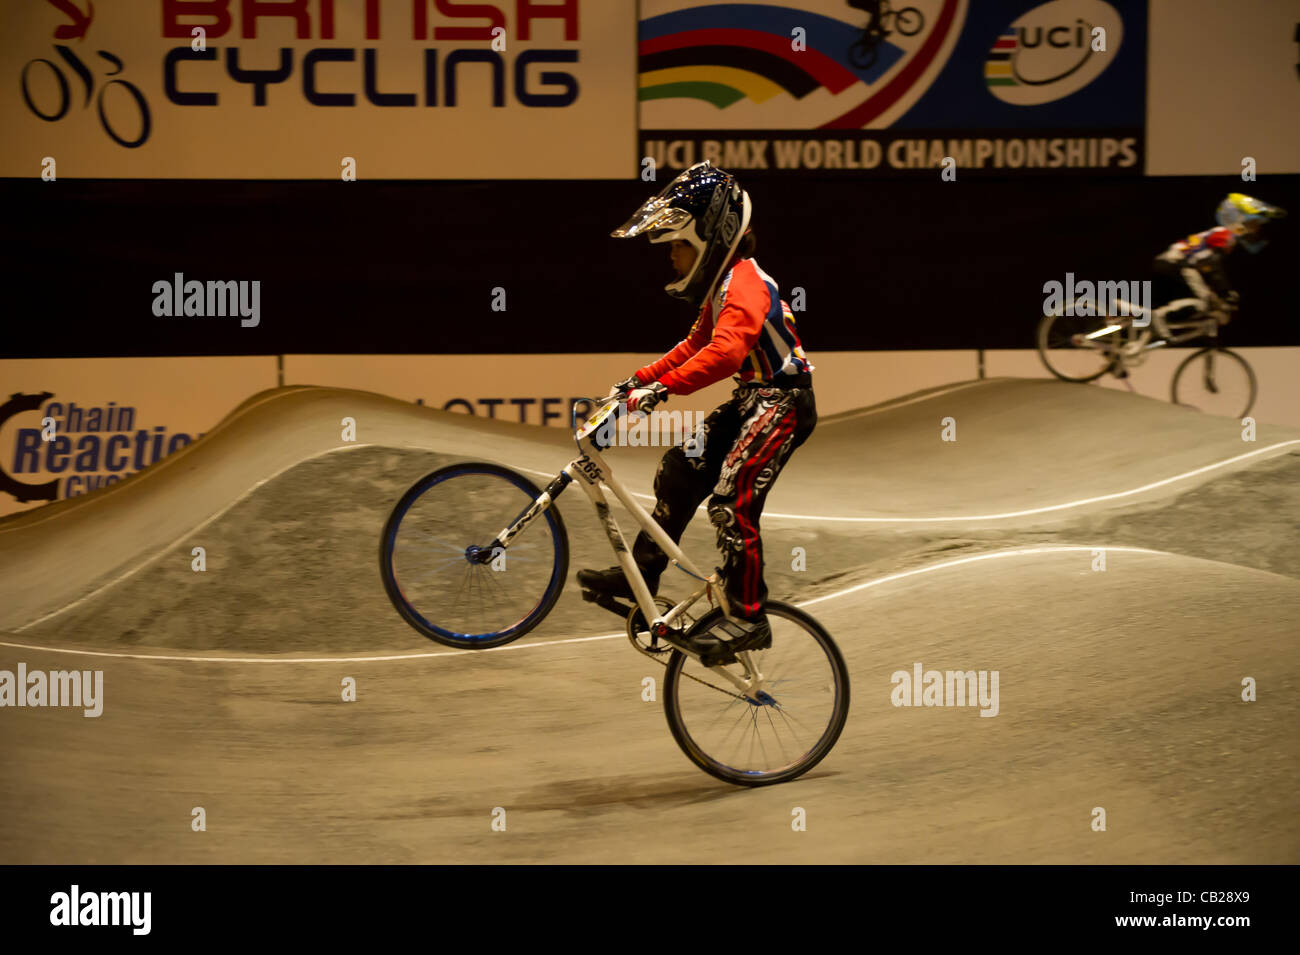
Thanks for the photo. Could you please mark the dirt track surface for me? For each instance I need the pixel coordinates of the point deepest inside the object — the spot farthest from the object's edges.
(1118, 689)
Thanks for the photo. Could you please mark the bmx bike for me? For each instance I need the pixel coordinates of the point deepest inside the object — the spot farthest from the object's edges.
(474, 555)
(1212, 379)
(907, 21)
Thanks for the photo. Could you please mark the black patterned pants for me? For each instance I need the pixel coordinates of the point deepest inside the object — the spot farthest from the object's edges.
(745, 444)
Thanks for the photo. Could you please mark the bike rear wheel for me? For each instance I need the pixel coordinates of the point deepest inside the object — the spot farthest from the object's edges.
(438, 569)
(1216, 381)
(1063, 357)
(863, 53)
(784, 732)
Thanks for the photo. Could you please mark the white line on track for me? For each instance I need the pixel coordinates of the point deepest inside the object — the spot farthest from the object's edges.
(890, 578)
(850, 416)
(1007, 514)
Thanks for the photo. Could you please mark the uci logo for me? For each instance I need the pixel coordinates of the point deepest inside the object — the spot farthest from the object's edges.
(1052, 51)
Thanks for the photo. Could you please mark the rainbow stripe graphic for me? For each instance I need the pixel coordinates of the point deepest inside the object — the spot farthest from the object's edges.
(725, 53)
(997, 68)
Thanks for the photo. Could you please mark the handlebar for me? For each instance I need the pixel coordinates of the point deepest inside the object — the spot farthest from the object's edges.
(598, 416)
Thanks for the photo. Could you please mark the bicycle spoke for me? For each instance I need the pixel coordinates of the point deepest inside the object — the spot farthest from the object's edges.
(1215, 381)
(774, 732)
(438, 526)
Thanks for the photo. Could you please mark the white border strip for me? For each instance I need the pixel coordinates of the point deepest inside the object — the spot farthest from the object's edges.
(890, 578)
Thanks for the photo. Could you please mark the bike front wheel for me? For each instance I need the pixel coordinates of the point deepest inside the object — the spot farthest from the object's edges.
(908, 21)
(1215, 381)
(439, 567)
(779, 733)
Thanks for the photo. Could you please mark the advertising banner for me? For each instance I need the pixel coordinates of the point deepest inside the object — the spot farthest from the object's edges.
(879, 88)
(1224, 88)
(318, 89)
(70, 426)
(542, 389)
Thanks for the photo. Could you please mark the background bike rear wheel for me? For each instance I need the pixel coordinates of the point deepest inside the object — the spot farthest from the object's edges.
(863, 53)
(1066, 360)
(1215, 381)
(793, 726)
(427, 557)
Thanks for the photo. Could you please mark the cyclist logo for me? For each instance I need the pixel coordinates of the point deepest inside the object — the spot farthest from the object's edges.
(858, 64)
(54, 108)
(883, 21)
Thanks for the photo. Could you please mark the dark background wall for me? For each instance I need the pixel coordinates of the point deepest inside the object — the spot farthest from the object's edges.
(409, 267)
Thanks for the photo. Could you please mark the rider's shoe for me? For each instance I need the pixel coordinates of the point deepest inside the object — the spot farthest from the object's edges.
(613, 582)
(740, 635)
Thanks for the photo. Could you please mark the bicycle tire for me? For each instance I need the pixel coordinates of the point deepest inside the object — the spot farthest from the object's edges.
(1187, 363)
(63, 91)
(814, 754)
(1044, 327)
(863, 55)
(447, 635)
(909, 21)
(145, 123)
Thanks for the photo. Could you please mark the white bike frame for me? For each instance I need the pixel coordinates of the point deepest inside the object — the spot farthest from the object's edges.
(1140, 332)
(591, 471)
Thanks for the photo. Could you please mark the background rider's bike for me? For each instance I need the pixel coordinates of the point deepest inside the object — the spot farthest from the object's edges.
(1211, 379)
(908, 21)
(475, 555)
(117, 130)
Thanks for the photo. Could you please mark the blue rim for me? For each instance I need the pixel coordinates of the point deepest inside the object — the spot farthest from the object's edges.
(390, 540)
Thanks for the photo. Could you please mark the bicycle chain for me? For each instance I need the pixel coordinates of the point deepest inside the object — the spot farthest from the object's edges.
(664, 663)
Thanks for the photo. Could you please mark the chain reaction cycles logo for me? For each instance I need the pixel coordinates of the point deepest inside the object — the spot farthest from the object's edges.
(88, 441)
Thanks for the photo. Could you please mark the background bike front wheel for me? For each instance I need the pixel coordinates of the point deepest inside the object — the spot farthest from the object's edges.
(792, 725)
(432, 560)
(1215, 381)
(908, 21)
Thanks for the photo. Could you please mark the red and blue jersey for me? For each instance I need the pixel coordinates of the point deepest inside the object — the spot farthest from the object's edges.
(1202, 250)
(745, 330)
(1205, 252)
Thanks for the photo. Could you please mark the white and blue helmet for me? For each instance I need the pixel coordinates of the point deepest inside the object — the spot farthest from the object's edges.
(704, 206)
(1239, 211)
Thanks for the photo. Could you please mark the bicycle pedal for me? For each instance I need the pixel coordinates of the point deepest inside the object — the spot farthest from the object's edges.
(607, 602)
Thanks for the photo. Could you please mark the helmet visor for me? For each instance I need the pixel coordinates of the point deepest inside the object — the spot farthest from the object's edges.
(654, 216)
